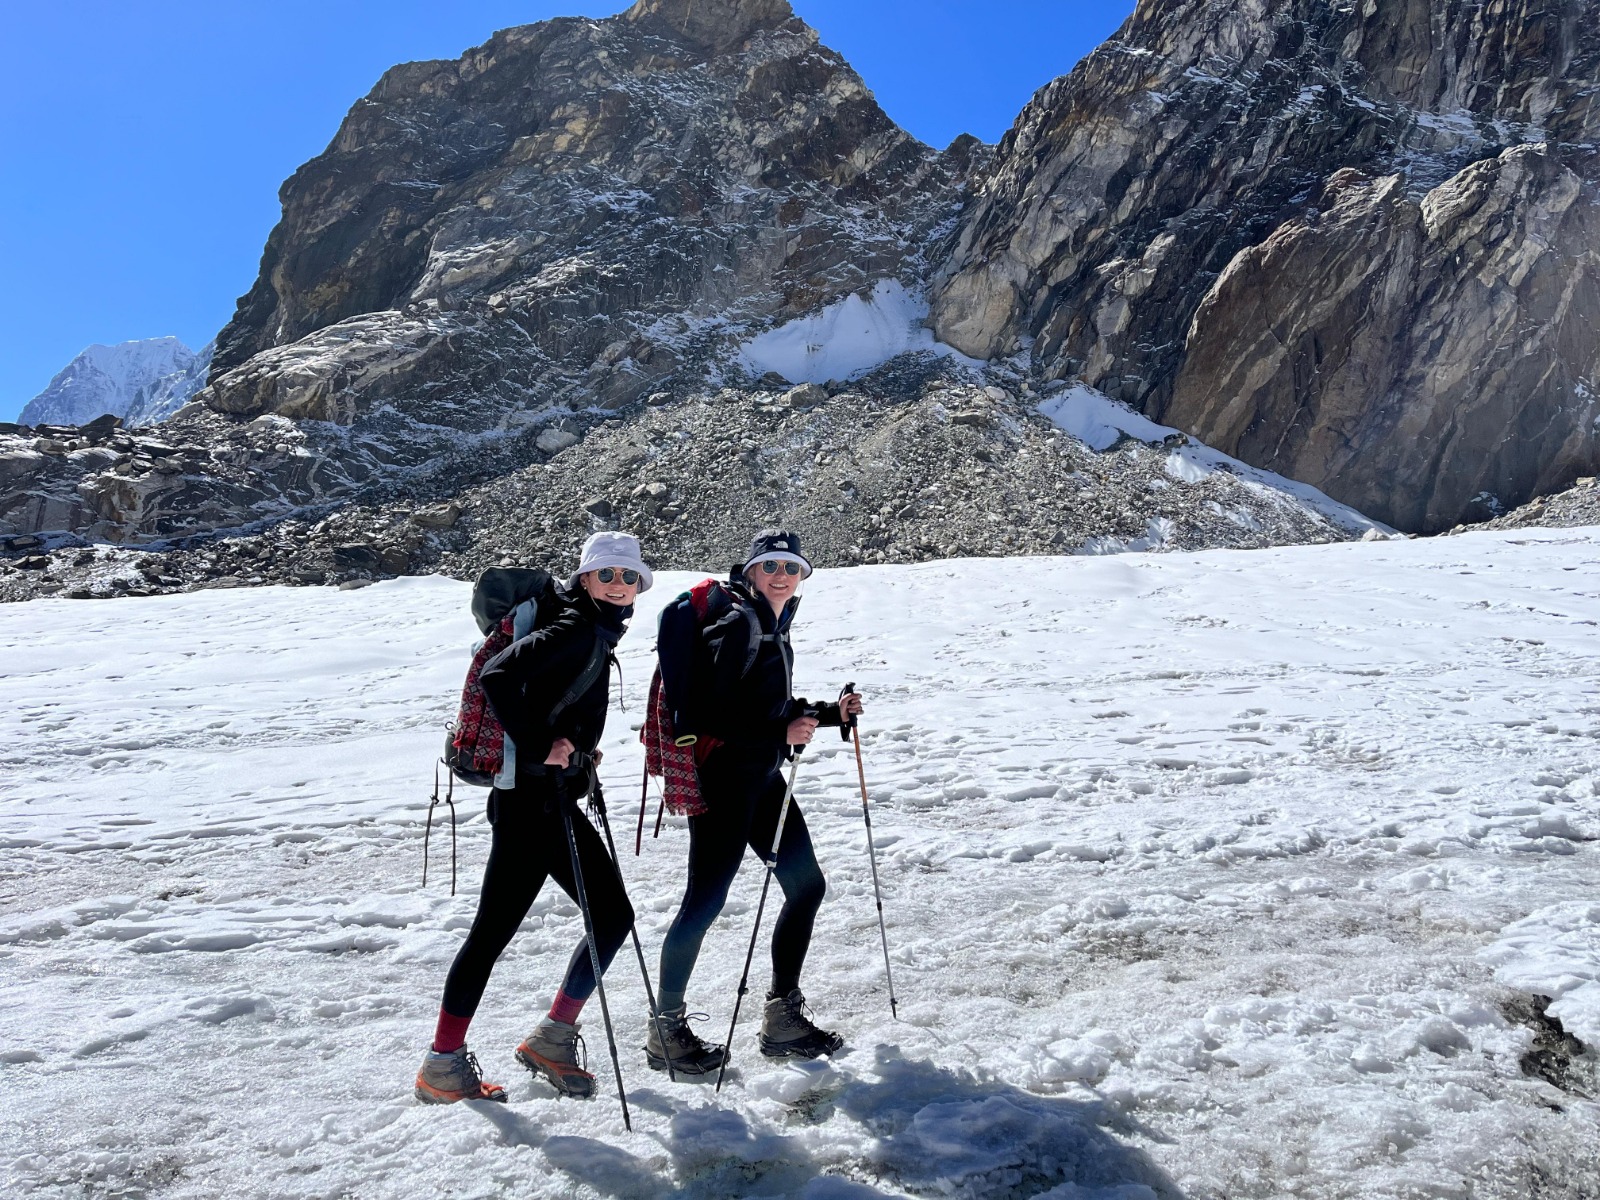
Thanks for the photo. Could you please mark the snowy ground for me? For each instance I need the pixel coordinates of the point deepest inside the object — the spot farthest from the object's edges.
(1199, 870)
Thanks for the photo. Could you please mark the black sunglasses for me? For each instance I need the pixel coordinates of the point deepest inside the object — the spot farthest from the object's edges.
(770, 567)
(607, 574)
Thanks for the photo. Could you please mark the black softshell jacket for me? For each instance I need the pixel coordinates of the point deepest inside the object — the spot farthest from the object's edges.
(527, 679)
(701, 672)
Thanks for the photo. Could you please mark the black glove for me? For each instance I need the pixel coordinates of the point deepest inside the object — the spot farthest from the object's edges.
(830, 715)
(846, 724)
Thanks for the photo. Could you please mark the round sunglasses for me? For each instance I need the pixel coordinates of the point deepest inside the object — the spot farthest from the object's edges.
(770, 567)
(607, 574)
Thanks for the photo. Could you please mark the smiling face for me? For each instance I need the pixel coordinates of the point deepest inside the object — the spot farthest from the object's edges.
(616, 592)
(777, 587)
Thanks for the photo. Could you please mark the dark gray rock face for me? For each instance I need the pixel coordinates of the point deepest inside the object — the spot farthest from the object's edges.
(573, 216)
(1132, 231)
(1430, 356)
(575, 213)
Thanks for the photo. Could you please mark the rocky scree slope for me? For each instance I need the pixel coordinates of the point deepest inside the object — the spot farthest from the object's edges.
(1578, 505)
(871, 476)
(1354, 243)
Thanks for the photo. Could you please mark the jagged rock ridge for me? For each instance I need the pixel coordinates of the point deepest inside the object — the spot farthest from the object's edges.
(572, 216)
(1280, 226)
(575, 213)
(1350, 242)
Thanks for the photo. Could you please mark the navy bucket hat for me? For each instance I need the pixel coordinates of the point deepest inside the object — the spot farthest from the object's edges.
(776, 545)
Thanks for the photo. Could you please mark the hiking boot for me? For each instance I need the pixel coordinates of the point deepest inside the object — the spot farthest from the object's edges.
(689, 1055)
(446, 1078)
(786, 1032)
(556, 1051)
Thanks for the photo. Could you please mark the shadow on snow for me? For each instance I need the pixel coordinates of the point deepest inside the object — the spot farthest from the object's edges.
(921, 1129)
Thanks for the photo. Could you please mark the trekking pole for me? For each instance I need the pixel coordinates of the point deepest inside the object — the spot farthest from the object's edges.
(644, 795)
(772, 862)
(427, 833)
(588, 930)
(597, 805)
(872, 857)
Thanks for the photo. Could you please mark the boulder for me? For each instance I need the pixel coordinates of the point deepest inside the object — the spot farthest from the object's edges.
(357, 556)
(554, 441)
(807, 395)
(438, 516)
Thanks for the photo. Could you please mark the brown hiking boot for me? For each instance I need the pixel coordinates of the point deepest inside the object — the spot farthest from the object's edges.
(446, 1078)
(683, 1047)
(555, 1050)
(787, 1031)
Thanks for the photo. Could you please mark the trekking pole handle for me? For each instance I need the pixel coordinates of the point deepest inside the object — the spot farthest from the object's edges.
(845, 726)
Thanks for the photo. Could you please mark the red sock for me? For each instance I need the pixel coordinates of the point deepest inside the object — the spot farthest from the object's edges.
(451, 1033)
(565, 1009)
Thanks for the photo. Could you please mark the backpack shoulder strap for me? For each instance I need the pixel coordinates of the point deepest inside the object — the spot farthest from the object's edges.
(525, 618)
(756, 638)
(585, 680)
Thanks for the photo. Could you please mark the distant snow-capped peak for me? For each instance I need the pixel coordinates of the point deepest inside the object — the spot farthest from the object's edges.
(142, 382)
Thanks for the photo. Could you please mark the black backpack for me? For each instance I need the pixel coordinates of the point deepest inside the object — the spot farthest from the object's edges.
(694, 618)
(504, 601)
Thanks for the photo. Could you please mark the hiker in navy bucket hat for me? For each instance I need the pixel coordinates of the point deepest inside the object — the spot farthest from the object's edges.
(726, 671)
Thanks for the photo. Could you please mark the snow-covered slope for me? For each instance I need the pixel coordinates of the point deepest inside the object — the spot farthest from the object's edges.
(1199, 870)
(171, 392)
(142, 382)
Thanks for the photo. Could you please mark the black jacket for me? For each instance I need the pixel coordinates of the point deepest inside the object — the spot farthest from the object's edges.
(708, 689)
(526, 680)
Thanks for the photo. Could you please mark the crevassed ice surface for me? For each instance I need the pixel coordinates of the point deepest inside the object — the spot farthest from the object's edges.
(1205, 875)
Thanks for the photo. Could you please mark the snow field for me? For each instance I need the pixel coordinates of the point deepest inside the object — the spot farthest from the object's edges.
(1206, 875)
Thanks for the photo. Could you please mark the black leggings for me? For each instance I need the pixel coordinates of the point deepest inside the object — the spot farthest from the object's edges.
(742, 800)
(529, 845)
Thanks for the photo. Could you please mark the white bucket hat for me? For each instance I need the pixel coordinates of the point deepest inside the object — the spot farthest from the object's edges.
(615, 550)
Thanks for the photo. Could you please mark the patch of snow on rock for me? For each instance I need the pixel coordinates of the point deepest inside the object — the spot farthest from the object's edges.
(848, 338)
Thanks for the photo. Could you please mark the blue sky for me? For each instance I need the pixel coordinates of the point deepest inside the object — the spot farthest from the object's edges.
(142, 145)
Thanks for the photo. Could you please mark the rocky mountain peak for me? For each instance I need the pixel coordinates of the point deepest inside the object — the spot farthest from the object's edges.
(1162, 223)
(715, 25)
(569, 281)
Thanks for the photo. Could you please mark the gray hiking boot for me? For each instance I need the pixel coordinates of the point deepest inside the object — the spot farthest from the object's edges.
(786, 1032)
(555, 1050)
(689, 1055)
(446, 1078)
